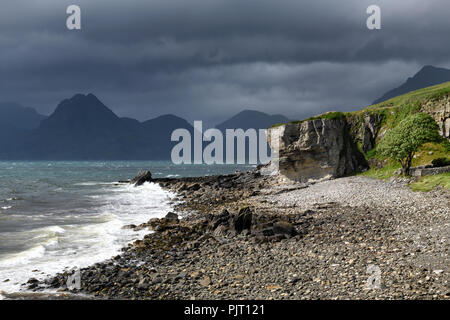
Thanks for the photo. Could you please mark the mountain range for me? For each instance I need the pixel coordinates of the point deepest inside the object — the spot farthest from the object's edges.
(428, 76)
(83, 128)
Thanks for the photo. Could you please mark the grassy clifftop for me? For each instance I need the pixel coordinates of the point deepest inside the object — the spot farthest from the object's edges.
(434, 93)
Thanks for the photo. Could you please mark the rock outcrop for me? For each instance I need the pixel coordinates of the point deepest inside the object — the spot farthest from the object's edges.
(141, 178)
(440, 111)
(365, 129)
(316, 149)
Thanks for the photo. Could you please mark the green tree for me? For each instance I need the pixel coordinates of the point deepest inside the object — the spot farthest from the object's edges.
(403, 141)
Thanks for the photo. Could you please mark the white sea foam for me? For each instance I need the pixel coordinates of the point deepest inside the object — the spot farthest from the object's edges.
(11, 199)
(56, 229)
(94, 183)
(75, 245)
(23, 257)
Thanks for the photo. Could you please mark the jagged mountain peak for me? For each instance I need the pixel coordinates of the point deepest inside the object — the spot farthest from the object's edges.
(82, 108)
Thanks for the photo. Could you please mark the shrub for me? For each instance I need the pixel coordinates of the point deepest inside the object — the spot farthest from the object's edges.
(403, 141)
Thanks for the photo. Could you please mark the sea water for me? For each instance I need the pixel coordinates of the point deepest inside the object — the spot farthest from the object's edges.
(64, 215)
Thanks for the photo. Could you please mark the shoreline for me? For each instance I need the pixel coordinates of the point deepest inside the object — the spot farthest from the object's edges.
(246, 236)
(92, 232)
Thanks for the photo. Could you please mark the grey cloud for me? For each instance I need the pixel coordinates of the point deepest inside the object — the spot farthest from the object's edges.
(211, 58)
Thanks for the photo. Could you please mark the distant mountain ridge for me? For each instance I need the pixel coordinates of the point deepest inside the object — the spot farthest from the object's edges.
(20, 117)
(83, 128)
(251, 119)
(426, 77)
(16, 122)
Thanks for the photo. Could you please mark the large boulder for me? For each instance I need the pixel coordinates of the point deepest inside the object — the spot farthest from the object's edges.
(284, 227)
(171, 216)
(274, 230)
(243, 221)
(223, 219)
(316, 149)
(141, 178)
(193, 187)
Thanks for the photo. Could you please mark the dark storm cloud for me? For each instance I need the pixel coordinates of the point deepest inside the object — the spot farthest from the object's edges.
(211, 58)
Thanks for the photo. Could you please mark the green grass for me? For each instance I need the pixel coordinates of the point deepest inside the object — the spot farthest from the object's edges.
(424, 184)
(277, 125)
(428, 183)
(384, 173)
(433, 93)
(446, 145)
(329, 115)
(334, 115)
(424, 157)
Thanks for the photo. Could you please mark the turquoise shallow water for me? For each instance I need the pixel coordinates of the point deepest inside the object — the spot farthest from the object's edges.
(55, 215)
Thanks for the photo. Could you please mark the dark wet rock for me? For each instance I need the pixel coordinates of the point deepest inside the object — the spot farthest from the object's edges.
(141, 227)
(182, 187)
(141, 178)
(194, 187)
(221, 219)
(171, 216)
(284, 227)
(243, 220)
(32, 283)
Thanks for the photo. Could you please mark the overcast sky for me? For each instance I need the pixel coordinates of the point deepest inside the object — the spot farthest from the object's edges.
(209, 59)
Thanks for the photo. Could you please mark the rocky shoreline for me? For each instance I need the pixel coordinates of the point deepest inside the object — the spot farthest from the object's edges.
(250, 236)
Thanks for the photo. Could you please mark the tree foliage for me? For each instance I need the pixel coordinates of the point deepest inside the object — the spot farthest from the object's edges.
(403, 141)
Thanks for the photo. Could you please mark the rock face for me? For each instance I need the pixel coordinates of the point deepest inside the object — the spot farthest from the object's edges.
(316, 149)
(440, 111)
(365, 129)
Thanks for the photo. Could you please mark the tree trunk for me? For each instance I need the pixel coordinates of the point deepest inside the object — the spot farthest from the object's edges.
(406, 164)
